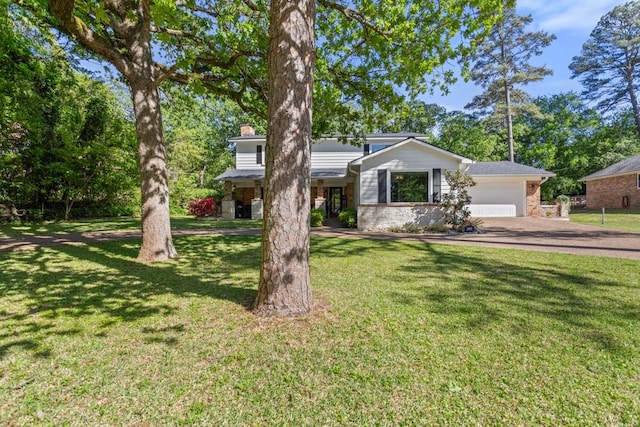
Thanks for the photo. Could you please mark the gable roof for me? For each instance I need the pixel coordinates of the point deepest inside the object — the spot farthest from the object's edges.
(627, 166)
(505, 168)
(410, 140)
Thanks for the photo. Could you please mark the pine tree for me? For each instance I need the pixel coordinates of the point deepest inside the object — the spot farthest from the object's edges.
(501, 64)
(609, 63)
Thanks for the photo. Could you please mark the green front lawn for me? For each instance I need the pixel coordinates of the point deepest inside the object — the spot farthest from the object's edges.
(404, 334)
(619, 219)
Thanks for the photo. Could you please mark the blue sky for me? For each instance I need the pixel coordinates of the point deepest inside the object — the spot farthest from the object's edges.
(571, 21)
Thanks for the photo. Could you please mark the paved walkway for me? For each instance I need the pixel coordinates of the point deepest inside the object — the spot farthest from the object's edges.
(538, 234)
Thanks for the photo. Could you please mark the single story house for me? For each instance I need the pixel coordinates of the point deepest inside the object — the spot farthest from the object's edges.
(617, 186)
(391, 179)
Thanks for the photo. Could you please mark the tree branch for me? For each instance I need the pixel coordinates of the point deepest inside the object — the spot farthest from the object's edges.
(355, 15)
(63, 11)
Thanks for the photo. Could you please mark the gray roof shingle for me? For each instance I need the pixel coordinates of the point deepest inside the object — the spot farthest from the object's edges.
(629, 165)
(505, 168)
(240, 174)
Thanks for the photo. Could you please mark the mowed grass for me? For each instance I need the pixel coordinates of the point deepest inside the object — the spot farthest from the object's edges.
(403, 334)
(118, 224)
(619, 219)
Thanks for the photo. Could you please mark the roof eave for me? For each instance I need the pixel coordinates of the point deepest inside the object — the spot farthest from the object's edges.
(592, 178)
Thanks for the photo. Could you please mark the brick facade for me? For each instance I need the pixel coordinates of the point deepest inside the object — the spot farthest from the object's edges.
(609, 192)
(533, 199)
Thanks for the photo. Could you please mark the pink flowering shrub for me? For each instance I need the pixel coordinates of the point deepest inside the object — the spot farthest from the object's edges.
(202, 207)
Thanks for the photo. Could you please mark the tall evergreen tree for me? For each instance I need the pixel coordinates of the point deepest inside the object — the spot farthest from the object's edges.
(501, 65)
(609, 64)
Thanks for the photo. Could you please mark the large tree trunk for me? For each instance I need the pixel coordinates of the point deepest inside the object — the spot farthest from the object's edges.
(285, 284)
(157, 243)
(135, 62)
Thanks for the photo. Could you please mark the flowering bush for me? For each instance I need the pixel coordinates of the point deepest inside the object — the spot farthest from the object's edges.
(202, 207)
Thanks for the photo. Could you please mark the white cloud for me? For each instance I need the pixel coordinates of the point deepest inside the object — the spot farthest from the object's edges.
(577, 16)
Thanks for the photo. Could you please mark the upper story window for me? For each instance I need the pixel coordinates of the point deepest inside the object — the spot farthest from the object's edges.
(259, 155)
(639, 181)
(410, 187)
(372, 148)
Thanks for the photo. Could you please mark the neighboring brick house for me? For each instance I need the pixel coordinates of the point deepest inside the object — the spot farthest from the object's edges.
(617, 186)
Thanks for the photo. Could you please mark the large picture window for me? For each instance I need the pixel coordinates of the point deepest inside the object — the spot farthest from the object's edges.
(410, 187)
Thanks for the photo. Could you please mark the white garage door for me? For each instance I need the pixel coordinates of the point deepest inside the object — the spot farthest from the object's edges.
(497, 198)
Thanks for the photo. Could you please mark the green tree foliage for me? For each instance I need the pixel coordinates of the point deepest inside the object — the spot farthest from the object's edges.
(558, 139)
(197, 129)
(609, 64)
(501, 65)
(467, 135)
(615, 140)
(63, 137)
(416, 117)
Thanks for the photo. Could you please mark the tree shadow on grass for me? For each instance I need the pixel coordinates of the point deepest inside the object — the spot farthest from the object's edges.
(485, 289)
(476, 288)
(40, 286)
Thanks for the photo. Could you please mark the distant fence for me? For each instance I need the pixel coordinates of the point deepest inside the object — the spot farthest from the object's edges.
(578, 201)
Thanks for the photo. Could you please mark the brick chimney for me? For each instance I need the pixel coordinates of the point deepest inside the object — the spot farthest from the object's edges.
(246, 130)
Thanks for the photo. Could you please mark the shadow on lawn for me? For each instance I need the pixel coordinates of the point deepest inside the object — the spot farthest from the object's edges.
(473, 288)
(112, 285)
(484, 290)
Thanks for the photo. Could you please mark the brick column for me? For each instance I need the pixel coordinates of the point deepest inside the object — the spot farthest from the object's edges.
(320, 202)
(228, 190)
(350, 191)
(256, 202)
(533, 198)
(228, 208)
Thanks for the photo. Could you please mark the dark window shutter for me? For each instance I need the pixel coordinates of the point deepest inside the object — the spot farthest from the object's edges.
(382, 186)
(259, 155)
(365, 149)
(437, 189)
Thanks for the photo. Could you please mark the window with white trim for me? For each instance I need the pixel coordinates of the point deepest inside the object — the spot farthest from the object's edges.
(409, 187)
(639, 181)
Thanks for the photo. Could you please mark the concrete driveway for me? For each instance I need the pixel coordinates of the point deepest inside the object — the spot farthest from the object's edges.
(537, 234)
(552, 235)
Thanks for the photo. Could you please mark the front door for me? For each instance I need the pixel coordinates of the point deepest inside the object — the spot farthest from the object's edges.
(335, 201)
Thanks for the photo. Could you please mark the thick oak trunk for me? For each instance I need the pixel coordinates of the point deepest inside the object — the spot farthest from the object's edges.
(157, 243)
(285, 284)
(135, 61)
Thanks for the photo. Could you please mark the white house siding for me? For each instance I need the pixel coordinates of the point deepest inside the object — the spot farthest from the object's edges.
(246, 154)
(324, 154)
(409, 158)
(498, 197)
(333, 154)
